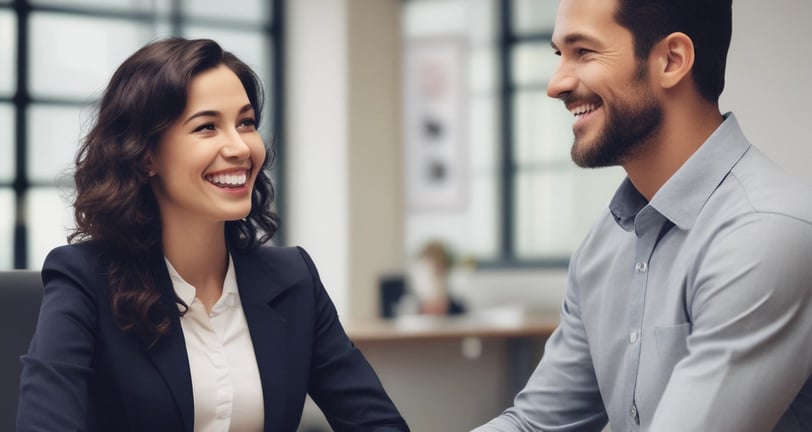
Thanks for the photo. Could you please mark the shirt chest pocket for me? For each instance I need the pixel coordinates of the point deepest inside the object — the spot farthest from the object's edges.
(672, 343)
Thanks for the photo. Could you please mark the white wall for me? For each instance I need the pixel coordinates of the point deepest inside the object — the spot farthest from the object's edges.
(768, 79)
(316, 144)
(343, 144)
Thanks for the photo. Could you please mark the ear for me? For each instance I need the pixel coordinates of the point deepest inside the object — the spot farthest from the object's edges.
(674, 59)
(149, 166)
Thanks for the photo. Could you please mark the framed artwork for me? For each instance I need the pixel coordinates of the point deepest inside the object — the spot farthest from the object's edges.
(435, 144)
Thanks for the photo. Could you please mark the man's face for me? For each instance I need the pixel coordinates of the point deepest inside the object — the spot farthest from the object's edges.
(602, 84)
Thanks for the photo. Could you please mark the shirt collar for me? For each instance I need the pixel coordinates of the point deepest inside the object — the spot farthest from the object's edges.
(231, 295)
(186, 292)
(683, 195)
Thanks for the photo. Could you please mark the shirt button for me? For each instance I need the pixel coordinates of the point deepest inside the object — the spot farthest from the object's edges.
(634, 336)
(641, 267)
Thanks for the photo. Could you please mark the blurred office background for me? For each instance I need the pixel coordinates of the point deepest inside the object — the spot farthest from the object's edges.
(397, 123)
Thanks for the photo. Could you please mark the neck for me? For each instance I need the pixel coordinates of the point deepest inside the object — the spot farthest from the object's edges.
(199, 254)
(684, 129)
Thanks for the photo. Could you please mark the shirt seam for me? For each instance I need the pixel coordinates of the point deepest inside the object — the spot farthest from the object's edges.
(756, 211)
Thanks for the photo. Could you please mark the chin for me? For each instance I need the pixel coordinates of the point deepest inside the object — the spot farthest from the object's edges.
(237, 215)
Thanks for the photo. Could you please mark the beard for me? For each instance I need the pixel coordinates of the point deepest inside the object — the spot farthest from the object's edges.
(630, 125)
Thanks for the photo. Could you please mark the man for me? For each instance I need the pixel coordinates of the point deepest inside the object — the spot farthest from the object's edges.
(689, 305)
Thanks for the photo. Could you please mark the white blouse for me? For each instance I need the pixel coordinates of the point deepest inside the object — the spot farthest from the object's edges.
(225, 378)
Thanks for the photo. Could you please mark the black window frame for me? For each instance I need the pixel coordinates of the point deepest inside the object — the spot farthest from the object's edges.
(22, 99)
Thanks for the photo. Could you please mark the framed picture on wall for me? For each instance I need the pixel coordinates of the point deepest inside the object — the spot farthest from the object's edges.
(435, 145)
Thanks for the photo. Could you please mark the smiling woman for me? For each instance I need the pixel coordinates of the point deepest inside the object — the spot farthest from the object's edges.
(206, 163)
(165, 313)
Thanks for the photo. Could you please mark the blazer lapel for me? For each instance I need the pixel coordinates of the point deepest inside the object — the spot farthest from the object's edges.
(258, 286)
(169, 353)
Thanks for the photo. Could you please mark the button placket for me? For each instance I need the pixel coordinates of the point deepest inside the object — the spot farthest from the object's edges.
(634, 414)
(647, 227)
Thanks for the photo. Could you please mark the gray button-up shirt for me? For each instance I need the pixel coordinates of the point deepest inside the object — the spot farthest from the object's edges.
(692, 312)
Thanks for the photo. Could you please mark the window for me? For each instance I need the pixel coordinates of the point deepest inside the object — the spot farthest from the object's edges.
(69, 50)
(8, 31)
(526, 203)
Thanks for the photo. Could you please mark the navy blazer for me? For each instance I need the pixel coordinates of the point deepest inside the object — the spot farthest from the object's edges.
(82, 373)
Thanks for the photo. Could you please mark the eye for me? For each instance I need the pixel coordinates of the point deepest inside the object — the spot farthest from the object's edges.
(583, 52)
(248, 123)
(205, 127)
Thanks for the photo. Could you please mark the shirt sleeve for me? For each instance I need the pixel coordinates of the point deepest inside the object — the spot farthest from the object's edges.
(562, 393)
(342, 383)
(748, 351)
(53, 383)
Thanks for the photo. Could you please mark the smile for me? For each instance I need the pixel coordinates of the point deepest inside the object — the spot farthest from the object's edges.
(581, 111)
(228, 180)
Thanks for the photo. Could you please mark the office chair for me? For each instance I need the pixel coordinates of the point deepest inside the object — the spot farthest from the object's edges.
(20, 298)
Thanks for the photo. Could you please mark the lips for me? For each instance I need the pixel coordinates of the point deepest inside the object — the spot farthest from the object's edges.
(233, 179)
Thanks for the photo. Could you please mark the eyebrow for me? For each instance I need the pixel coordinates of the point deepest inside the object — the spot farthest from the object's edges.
(574, 38)
(213, 113)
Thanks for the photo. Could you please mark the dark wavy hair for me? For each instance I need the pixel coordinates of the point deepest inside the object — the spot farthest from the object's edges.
(709, 24)
(114, 204)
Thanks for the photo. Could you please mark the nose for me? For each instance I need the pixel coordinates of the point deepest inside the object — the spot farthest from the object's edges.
(235, 147)
(562, 82)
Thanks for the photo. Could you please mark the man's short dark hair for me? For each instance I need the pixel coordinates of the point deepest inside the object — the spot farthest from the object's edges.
(709, 24)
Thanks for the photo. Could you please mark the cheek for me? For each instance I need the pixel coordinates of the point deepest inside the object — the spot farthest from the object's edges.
(257, 151)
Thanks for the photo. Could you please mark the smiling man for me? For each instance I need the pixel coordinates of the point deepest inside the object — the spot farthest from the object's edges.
(689, 305)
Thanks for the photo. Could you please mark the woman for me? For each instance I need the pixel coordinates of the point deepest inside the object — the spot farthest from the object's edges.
(164, 313)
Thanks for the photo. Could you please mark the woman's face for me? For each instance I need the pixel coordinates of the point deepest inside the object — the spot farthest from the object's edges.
(205, 164)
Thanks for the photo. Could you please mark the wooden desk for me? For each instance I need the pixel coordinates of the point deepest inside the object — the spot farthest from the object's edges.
(433, 386)
(496, 323)
(522, 331)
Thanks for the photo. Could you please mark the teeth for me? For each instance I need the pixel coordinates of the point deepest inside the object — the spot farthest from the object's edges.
(583, 109)
(231, 180)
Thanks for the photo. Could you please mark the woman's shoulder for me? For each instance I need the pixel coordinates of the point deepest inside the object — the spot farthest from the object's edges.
(90, 250)
(282, 261)
(82, 258)
(284, 255)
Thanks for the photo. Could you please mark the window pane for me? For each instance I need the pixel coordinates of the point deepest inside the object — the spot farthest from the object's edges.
(8, 57)
(483, 228)
(117, 5)
(6, 228)
(534, 16)
(544, 222)
(54, 133)
(7, 153)
(75, 56)
(49, 219)
(255, 11)
(484, 70)
(430, 18)
(482, 21)
(542, 129)
(533, 64)
(484, 134)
